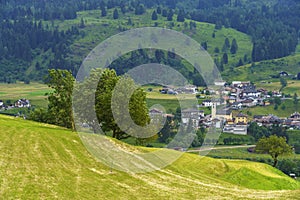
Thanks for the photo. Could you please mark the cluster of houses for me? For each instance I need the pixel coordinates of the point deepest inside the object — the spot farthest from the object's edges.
(243, 94)
(189, 89)
(220, 118)
(21, 103)
(237, 95)
(292, 122)
(229, 123)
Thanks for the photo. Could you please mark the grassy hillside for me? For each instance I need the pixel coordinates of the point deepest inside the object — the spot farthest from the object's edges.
(39, 161)
(280, 112)
(99, 28)
(265, 69)
(291, 88)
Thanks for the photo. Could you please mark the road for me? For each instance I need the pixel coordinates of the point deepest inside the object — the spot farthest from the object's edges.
(221, 147)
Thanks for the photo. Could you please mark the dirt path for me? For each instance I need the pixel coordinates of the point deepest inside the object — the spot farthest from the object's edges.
(223, 147)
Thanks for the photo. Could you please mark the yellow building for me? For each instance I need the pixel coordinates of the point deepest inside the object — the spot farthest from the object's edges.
(241, 119)
(224, 114)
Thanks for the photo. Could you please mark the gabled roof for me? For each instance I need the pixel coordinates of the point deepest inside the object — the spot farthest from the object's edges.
(207, 101)
(237, 103)
(191, 110)
(224, 112)
(154, 110)
(242, 115)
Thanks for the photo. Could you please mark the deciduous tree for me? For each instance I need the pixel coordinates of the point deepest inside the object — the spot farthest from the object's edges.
(137, 105)
(60, 100)
(274, 146)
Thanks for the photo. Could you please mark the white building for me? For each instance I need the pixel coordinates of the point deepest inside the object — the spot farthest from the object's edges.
(192, 114)
(207, 103)
(235, 129)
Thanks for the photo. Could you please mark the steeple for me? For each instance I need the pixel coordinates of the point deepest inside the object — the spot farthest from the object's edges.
(213, 109)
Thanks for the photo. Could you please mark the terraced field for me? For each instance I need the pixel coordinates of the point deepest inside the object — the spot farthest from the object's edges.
(40, 161)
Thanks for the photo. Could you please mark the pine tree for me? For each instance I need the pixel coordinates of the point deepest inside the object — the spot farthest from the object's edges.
(225, 58)
(170, 15)
(240, 63)
(180, 16)
(116, 14)
(81, 23)
(204, 45)
(164, 13)
(158, 10)
(129, 22)
(140, 9)
(226, 45)
(103, 12)
(295, 101)
(234, 47)
(154, 15)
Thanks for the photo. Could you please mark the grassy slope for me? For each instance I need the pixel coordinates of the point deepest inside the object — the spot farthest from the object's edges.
(99, 28)
(260, 110)
(264, 69)
(39, 161)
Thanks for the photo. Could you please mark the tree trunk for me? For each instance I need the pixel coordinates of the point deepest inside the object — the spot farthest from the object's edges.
(275, 162)
(114, 134)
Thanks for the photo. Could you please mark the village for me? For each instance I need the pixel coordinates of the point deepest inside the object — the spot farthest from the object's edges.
(226, 112)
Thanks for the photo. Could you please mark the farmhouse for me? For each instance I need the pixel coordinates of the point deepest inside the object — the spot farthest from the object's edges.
(240, 84)
(249, 103)
(22, 103)
(295, 116)
(283, 73)
(207, 103)
(250, 91)
(220, 83)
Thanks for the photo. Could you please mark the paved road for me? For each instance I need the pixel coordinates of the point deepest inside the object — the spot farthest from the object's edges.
(221, 147)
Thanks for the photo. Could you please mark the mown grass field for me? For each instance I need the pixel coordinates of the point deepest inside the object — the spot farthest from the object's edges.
(35, 92)
(39, 161)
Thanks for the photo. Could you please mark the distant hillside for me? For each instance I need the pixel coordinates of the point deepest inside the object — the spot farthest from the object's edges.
(265, 70)
(40, 161)
(97, 29)
(64, 42)
(30, 42)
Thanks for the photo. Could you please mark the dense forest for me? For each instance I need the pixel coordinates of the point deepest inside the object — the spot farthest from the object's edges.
(21, 40)
(273, 27)
(27, 30)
